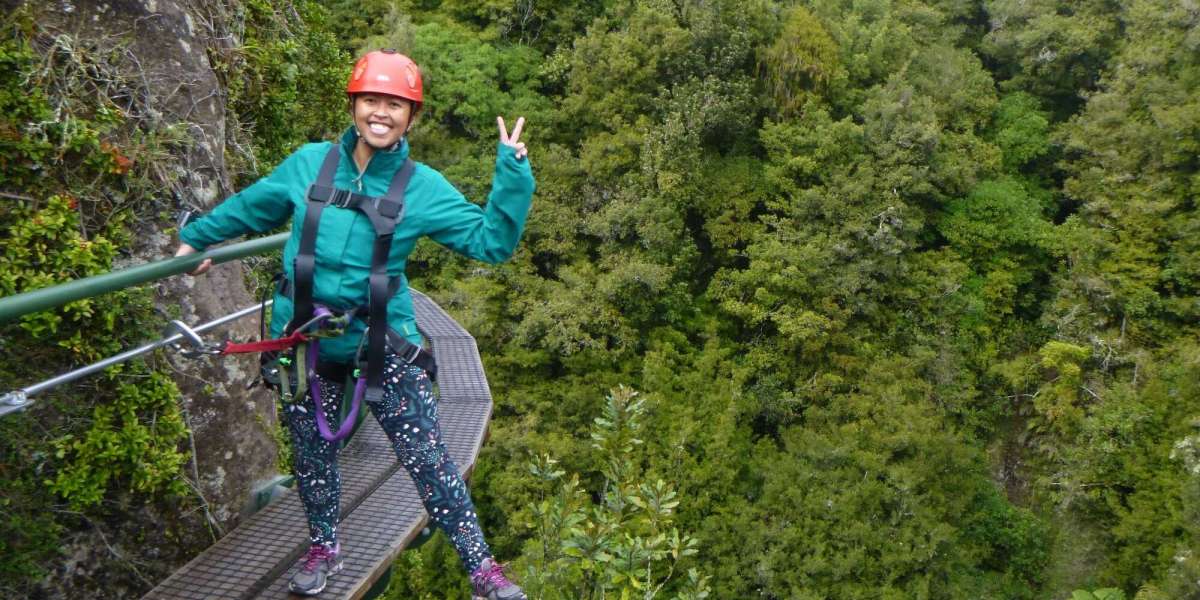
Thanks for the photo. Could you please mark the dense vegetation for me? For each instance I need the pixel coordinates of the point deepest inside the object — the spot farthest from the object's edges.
(76, 175)
(98, 488)
(819, 299)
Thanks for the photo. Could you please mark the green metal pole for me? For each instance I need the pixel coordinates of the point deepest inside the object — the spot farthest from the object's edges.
(54, 296)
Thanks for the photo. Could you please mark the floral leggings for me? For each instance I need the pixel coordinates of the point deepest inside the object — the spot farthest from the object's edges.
(408, 414)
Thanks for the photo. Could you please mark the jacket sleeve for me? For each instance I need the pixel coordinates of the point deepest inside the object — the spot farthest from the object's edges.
(263, 206)
(490, 233)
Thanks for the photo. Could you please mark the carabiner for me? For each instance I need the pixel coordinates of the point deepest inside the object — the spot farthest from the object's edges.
(322, 315)
(197, 347)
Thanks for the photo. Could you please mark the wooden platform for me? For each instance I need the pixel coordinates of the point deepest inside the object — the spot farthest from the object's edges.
(381, 513)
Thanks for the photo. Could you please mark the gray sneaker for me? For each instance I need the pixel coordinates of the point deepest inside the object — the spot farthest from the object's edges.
(316, 567)
(490, 583)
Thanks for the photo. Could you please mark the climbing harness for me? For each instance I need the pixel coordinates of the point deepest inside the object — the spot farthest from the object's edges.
(384, 213)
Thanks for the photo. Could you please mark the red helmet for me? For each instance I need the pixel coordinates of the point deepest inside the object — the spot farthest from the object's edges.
(387, 72)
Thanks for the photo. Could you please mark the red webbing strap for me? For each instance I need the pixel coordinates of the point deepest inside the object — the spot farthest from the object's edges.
(283, 343)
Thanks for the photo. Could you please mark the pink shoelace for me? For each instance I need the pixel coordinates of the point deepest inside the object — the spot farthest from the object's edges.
(494, 576)
(315, 555)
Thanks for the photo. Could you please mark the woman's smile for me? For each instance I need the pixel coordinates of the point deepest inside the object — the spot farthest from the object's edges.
(381, 120)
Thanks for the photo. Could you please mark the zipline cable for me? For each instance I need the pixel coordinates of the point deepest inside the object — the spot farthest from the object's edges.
(19, 399)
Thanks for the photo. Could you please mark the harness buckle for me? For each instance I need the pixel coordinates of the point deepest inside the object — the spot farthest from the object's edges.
(325, 323)
(416, 351)
(340, 198)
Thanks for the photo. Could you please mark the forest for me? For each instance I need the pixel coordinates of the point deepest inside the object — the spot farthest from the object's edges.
(818, 299)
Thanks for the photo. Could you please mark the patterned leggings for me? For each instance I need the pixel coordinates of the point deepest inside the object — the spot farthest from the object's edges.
(408, 414)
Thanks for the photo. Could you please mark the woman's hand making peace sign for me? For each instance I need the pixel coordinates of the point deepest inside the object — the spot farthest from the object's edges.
(512, 140)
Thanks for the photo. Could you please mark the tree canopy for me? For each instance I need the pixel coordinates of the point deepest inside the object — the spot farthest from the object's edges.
(899, 295)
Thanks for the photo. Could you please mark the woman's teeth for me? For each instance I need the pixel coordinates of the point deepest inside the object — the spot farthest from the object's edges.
(379, 128)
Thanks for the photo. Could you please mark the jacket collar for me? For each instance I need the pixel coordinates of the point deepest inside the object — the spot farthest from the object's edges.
(383, 162)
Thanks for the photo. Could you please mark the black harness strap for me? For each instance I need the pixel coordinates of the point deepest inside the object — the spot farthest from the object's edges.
(305, 263)
(389, 212)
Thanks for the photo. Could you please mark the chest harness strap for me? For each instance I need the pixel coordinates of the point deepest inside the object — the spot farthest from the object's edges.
(384, 213)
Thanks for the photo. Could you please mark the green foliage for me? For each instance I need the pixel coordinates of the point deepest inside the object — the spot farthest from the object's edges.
(132, 443)
(955, 76)
(800, 63)
(1022, 130)
(1126, 446)
(285, 80)
(29, 537)
(19, 155)
(354, 21)
(1058, 402)
(1186, 569)
(46, 248)
(999, 220)
(469, 81)
(1145, 120)
(543, 24)
(842, 248)
(1054, 49)
(431, 572)
(863, 499)
(618, 69)
(1100, 594)
(1016, 540)
(872, 42)
(83, 169)
(62, 227)
(627, 544)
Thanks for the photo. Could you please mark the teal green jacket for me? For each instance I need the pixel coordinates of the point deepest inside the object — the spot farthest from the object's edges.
(433, 207)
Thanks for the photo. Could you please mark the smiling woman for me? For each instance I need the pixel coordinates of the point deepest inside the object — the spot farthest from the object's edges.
(382, 121)
(386, 93)
(357, 208)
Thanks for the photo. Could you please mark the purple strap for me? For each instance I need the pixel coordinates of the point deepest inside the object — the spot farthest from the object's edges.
(314, 388)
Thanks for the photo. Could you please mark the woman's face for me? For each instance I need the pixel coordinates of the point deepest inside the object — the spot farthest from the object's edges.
(381, 120)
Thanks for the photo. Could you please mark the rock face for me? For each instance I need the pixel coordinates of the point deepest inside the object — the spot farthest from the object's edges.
(167, 43)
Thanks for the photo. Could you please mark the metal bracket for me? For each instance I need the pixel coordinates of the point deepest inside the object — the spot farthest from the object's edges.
(15, 398)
